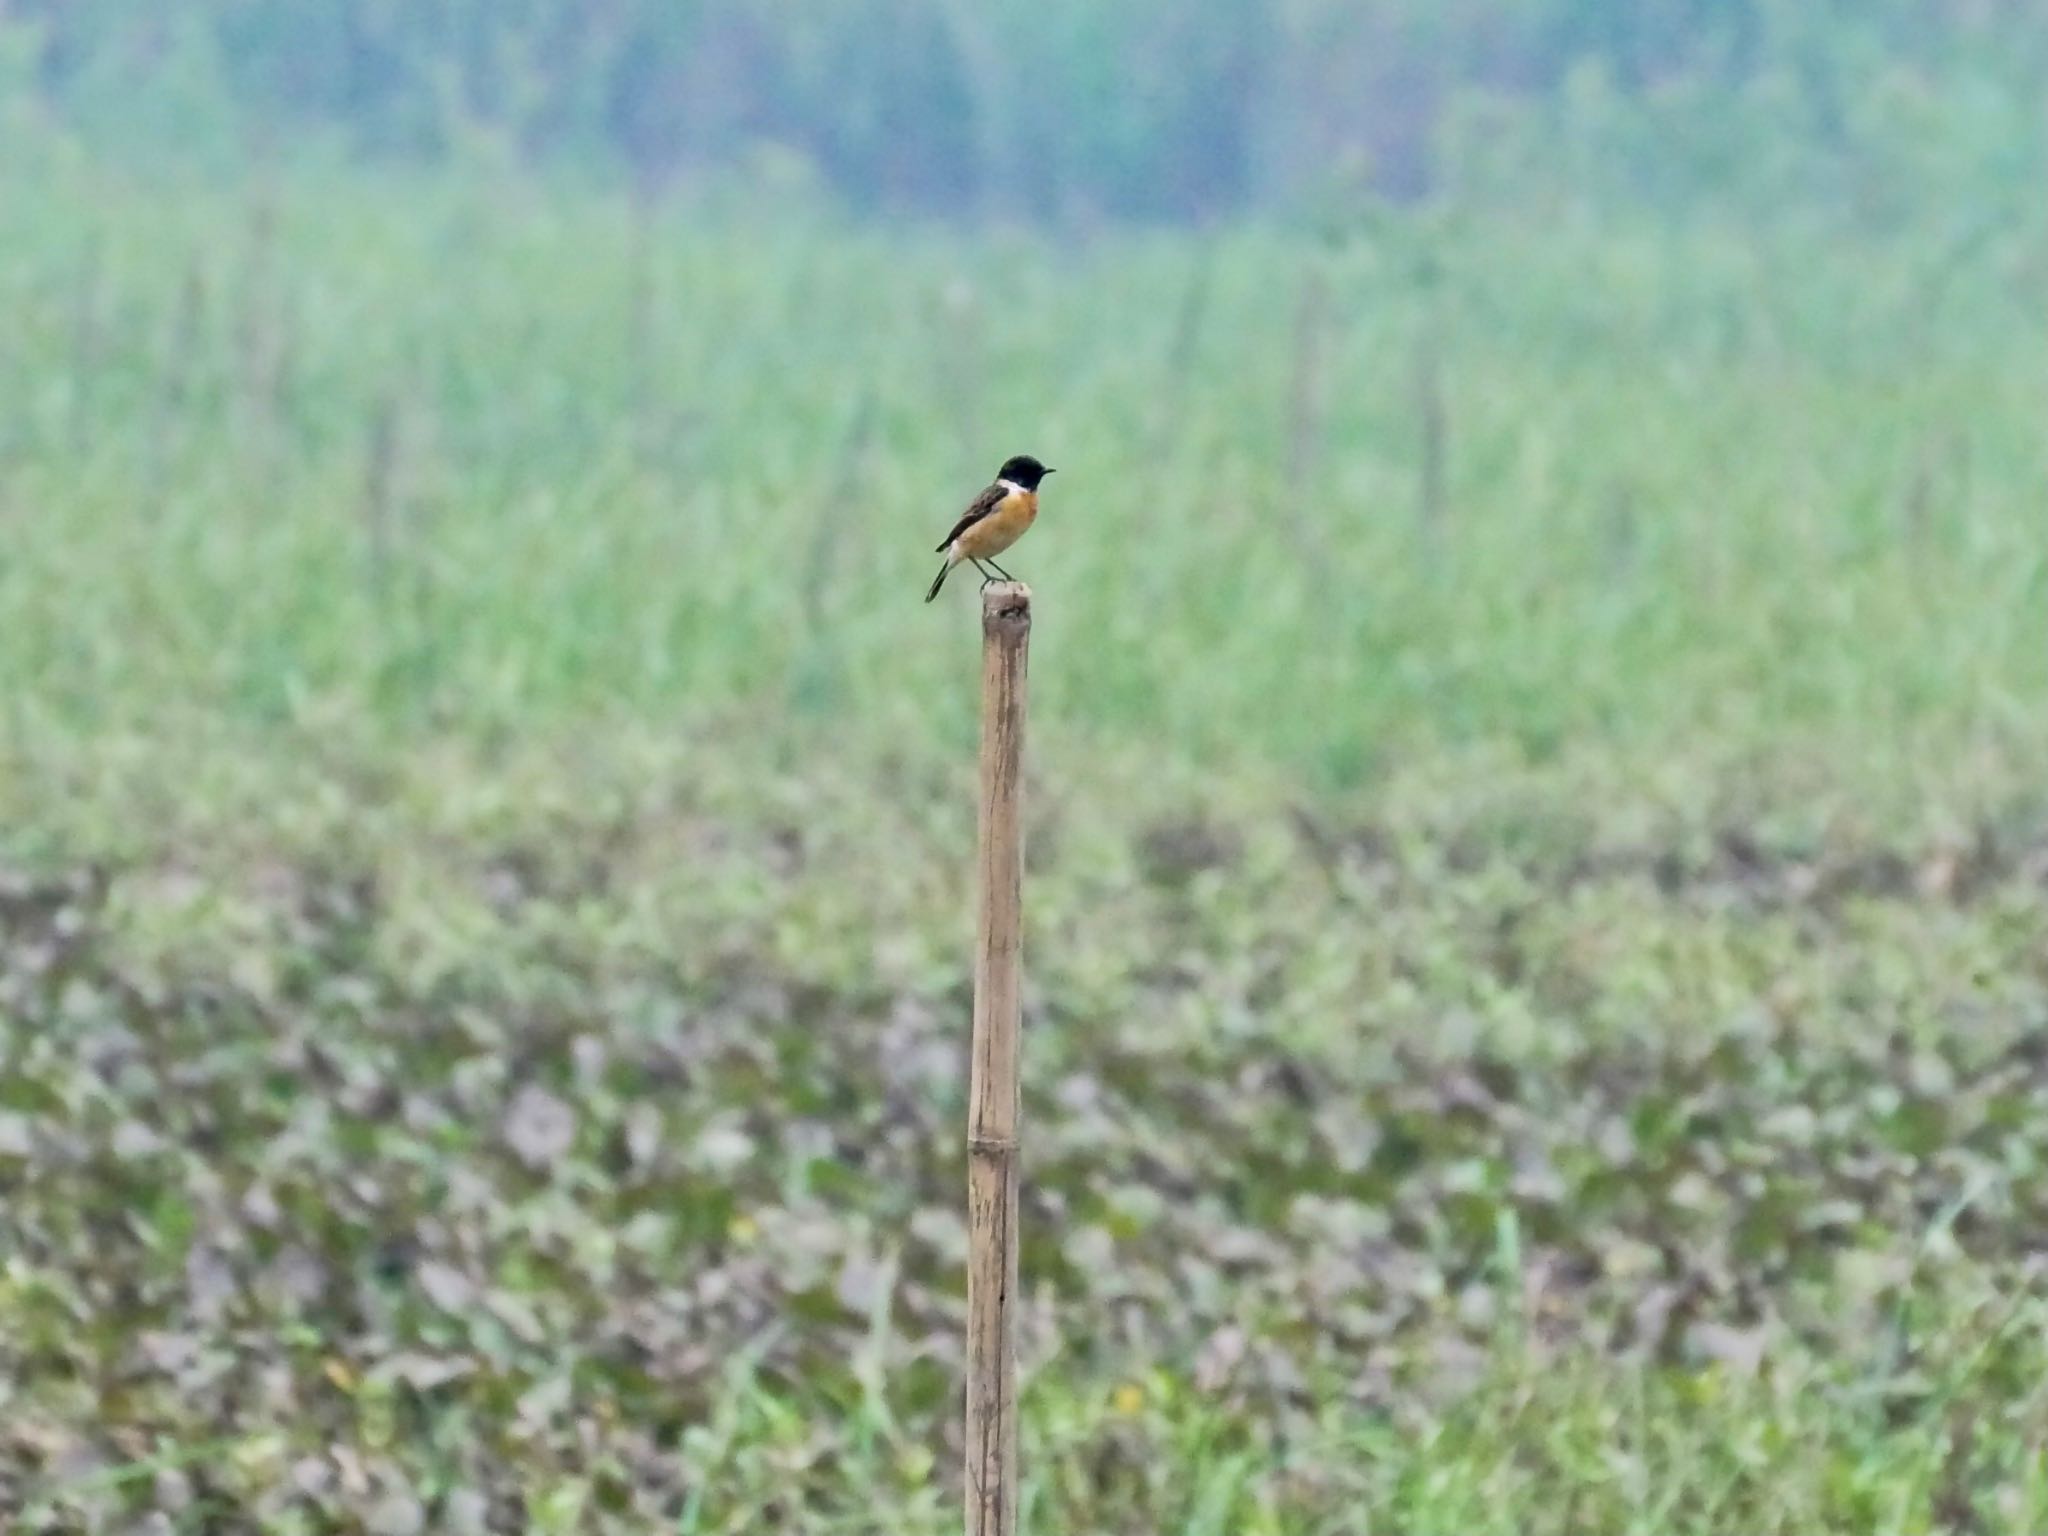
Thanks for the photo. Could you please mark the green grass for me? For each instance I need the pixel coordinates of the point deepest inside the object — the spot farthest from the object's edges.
(1533, 1024)
(1705, 485)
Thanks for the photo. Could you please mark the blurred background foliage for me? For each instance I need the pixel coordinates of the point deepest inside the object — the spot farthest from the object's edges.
(1539, 856)
(1153, 109)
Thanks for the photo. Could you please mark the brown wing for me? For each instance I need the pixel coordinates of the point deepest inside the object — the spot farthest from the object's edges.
(983, 504)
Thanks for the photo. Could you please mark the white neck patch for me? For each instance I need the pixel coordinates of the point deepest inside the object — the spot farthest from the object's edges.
(1013, 487)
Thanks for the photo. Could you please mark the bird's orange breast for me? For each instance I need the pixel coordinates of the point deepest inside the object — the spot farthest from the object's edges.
(1001, 528)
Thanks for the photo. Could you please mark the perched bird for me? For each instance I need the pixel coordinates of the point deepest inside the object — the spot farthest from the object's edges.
(993, 521)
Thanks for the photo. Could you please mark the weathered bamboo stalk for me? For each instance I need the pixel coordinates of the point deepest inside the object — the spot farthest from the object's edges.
(993, 1097)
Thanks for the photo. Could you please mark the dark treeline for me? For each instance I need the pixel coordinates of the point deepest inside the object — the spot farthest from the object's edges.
(1148, 108)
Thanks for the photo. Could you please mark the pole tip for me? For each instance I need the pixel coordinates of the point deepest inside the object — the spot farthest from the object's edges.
(1005, 600)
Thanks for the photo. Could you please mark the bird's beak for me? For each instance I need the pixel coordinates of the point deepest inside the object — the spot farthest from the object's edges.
(1052, 471)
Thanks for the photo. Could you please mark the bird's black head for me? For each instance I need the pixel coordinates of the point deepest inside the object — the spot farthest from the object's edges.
(1023, 470)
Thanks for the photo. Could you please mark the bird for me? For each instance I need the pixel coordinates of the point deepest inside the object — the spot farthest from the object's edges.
(993, 521)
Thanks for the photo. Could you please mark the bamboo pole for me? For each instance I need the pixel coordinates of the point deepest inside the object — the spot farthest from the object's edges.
(992, 1098)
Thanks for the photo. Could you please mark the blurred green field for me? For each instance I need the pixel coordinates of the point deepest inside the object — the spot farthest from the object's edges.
(1707, 488)
(1537, 963)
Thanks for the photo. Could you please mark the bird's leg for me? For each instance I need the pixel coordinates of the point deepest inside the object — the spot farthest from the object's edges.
(1001, 572)
(985, 577)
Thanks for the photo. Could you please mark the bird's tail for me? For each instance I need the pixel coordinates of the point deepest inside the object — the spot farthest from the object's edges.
(938, 581)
